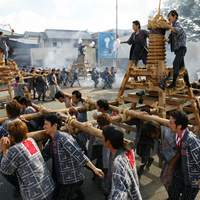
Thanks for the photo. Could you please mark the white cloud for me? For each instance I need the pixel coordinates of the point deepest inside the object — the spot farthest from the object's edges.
(64, 7)
(98, 15)
(25, 20)
(11, 3)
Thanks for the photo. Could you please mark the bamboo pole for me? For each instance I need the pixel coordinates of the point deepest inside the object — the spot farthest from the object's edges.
(135, 114)
(132, 113)
(34, 116)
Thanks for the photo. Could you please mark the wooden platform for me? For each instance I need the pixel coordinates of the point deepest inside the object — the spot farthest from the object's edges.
(162, 102)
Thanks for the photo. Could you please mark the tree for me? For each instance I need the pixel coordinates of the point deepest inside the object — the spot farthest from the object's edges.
(189, 12)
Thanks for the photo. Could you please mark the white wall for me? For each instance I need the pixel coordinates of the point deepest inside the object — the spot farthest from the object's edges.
(56, 57)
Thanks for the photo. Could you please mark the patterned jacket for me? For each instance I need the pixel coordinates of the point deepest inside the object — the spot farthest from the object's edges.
(3, 127)
(166, 146)
(30, 110)
(82, 116)
(18, 88)
(124, 177)
(190, 157)
(177, 40)
(25, 161)
(68, 158)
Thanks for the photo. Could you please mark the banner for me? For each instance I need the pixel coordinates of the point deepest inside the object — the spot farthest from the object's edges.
(106, 45)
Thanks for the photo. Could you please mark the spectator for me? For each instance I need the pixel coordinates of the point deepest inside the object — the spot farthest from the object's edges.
(95, 77)
(53, 83)
(75, 76)
(41, 86)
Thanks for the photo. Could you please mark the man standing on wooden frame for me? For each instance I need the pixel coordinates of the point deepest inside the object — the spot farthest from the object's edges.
(138, 44)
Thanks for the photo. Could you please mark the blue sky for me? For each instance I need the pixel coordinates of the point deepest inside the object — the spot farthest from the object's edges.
(91, 15)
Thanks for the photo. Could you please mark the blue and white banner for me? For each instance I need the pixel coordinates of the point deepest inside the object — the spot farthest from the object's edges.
(106, 45)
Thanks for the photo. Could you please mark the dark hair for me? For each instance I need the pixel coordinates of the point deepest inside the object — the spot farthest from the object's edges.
(32, 70)
(145, 109)
(152, 127)
(1, 32)
(115, 135)
(13, 108)
(59, 94)
(136, 22)
(40, 120)
(18, 130)
(173, 13)
(195, 92)
(17, 79)
(17, 98)
(53, 69)
(103, 103)
(104, 119)
(54, 118)
(26, 101)
(180, 118)
(194, 85)
(78, 94)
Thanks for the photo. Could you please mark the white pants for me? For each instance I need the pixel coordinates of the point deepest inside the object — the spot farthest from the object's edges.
(52, 90)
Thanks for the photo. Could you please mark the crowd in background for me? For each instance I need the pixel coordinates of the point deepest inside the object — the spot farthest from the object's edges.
(53, 79)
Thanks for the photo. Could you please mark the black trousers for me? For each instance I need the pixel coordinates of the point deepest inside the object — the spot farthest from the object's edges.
(178, 62)
(178, 187)
(66, 192)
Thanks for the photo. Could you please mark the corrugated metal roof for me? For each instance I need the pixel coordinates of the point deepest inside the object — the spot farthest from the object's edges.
(24, 40)
(31, 34)
(6, 33)
(67, 34)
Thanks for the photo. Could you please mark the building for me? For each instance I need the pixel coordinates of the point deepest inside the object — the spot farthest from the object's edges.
(19, 46)
(59, 48)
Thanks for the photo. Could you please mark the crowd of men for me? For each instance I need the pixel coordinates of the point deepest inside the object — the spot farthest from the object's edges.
(22, 161)
(53, 79)
(115, 175)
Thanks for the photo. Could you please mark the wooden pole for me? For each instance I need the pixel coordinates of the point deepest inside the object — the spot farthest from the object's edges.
(135, 114)
(40, 135)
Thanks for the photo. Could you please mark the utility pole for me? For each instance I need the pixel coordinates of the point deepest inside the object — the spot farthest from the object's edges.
(116, 32)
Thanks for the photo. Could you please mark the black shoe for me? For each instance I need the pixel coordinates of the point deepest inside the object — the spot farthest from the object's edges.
(43, 100)
(103, 87)
(53, 99)
(150, 161)
(71, 85)
(171, 86)
(141, 170)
